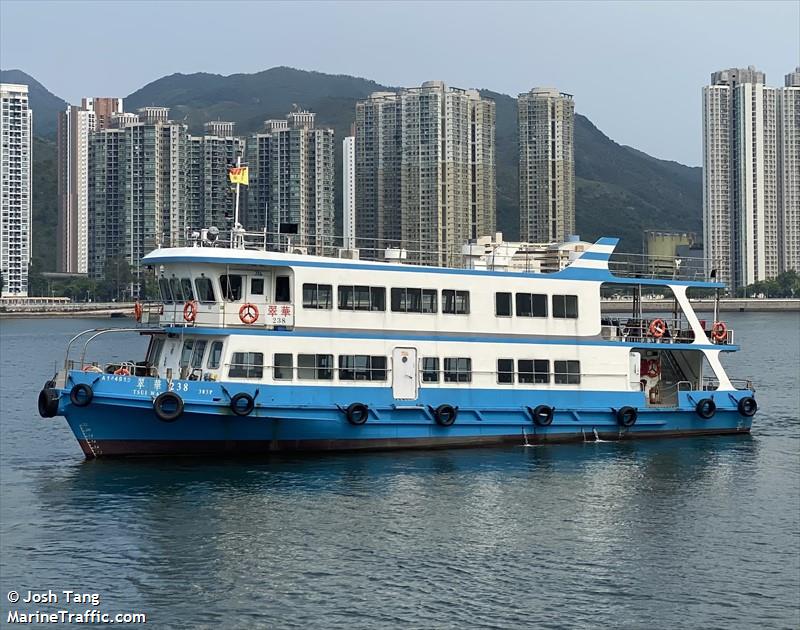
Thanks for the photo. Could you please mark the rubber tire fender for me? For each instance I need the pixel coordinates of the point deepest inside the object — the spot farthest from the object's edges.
(357, 413)
(445, 415)
(542, 415)
(75, 393)
(706, 408)
(165, 416)
(747, 406)
(237, 409)
(627, 416)
(48, 402)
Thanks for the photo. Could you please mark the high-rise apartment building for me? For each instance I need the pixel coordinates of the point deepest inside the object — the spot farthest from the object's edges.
(789, 172)
(546, 120)
(137, 188)
(210, 195)
(16, 139)
(740, 176)
(349, 192)
(291, 187)
(75, 126)
(425, 171)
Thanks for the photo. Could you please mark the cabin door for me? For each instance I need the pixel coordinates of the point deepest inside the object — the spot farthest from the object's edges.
(404, 373)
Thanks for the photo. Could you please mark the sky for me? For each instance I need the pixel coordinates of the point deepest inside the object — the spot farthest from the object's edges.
(636, 69)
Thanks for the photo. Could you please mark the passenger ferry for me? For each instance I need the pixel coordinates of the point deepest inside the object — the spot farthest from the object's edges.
(254, 351)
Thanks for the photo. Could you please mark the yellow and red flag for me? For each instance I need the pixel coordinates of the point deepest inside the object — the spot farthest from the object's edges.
(239, 175)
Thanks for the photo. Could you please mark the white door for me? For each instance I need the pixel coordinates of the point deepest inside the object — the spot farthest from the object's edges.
(404, 373)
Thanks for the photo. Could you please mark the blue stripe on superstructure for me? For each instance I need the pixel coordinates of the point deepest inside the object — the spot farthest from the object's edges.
(475, 338)
(594, 256)
(570, 273)
(607, 240)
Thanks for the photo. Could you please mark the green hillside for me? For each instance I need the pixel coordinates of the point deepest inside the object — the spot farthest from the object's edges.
(620, 191)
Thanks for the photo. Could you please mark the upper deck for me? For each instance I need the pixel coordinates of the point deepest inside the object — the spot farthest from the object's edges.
(256, 287)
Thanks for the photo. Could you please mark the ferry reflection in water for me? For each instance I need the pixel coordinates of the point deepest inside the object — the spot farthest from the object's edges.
(310, 538)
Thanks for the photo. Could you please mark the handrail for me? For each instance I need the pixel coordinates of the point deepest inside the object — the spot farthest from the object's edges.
(102, 331)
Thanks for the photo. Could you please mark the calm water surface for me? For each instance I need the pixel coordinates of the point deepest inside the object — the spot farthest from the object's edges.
(691, 533)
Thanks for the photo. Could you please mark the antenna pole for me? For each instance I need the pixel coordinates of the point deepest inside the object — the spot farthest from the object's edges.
(236, 208)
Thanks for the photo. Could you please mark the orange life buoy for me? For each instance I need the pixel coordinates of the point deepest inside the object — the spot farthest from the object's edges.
(248, 313)
(190, 310)
(658, 328)
(719, 331)
(122, 371)
(137, 311)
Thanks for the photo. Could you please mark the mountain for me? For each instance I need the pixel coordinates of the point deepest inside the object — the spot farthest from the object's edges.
(44, 104)
(620, 191)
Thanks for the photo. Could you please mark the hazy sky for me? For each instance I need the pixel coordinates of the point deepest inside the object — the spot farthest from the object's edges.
(636, 68)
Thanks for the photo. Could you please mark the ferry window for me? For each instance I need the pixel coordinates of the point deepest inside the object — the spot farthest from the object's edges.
(455, 302)
(283, 367)
(361, 367)
(205, 289)
(430, 370)
(177, 292)
(414, 301)
(154, 352)
(186, 285)
(458, 370)
(166, 292)
(361, 298)
(502, 304)
(505, 370)
(315, 366)
(317, 296)
(282, 289)
(231, 287)
(246, 365)
(533, 371)
(214, 355)
(567, 372)
(257, 286)
(186, 353)
(199, 351)
(565, 306)
(531, 305)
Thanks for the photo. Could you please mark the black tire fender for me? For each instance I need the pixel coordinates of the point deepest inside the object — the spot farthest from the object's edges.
(747, 406)
(170, 398)
(236, 404)
(542, 415)
(48, 402)
(627, 416)
(81, 395)
(445, 415)
(706, 408)
(357, 413)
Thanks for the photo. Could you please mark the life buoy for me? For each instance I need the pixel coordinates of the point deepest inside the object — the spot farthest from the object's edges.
(81, 395)
(542, 415)
(657, 328)
(445, 415)
(190, 310)
(242, 404)
(706, 408)
(719, 331)
(248, 313)
(627, 416)
(168, 406)
(122, 371)
(137, 311)
(747, 406)
(48, 402)
(357, 413)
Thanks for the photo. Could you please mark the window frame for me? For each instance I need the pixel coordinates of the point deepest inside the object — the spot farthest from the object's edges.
(563, 302)
(280, 368)
(568, 377)
(454, 298)
(533, 299)
(228, 289)
(315, 289)
(427, 372)
(218, 359)
(200, 294)
(246, 367)
(318, 367)
(509, 296)
(457, 375)
(509, 372)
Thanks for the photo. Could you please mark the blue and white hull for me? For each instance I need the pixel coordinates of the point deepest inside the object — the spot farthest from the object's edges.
(120, 420)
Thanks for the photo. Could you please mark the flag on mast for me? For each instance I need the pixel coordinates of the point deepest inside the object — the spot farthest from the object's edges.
(239, 175)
